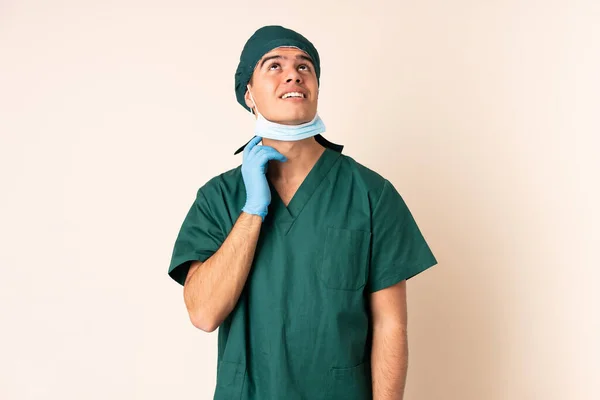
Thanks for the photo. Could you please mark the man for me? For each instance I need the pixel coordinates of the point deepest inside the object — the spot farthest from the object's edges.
(300, 255)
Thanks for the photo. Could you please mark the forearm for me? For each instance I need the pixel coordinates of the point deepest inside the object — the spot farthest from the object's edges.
(212, 290)
(389, 361)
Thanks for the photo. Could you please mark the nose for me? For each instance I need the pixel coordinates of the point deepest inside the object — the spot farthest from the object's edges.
(293, 75)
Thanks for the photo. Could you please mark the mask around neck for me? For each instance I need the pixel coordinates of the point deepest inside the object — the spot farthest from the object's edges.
(272, 130)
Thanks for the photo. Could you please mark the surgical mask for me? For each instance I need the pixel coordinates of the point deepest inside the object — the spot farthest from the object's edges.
(272, 130)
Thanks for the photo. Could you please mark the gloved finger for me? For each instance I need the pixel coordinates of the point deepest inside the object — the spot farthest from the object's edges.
(264, 148)
(251, 144)
(269, 153)
(273, 153)
(257, 150)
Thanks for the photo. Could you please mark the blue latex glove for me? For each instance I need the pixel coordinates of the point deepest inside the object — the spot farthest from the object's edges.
(254, 168)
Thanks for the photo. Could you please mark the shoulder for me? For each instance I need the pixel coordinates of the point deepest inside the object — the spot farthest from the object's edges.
(366, 179)
(224, 183)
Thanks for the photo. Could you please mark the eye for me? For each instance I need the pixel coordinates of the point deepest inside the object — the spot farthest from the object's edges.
(273, 65)
(304, 67)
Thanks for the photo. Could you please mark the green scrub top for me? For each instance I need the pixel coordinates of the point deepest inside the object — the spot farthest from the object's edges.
(301, 328)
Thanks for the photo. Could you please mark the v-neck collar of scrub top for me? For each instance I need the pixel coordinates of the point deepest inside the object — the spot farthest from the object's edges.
(284, 216)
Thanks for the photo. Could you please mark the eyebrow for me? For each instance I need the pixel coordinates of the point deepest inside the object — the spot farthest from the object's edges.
(298, 57)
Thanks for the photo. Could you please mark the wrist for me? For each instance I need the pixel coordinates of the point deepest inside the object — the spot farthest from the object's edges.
(261, 211)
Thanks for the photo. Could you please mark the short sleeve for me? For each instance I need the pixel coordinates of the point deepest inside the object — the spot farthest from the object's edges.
(199, 238)
(399, 250)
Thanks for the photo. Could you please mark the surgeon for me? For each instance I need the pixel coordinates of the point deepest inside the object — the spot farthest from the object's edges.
(300, 255)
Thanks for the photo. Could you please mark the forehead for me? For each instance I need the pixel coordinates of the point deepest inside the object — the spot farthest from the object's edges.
(290, 52)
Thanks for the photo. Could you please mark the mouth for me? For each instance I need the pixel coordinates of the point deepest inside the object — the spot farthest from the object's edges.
(293, 96)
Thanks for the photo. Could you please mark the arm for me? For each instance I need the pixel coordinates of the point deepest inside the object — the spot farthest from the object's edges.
(389, 356)
(212, 291)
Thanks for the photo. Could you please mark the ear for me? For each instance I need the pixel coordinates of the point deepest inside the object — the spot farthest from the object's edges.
(248, 101)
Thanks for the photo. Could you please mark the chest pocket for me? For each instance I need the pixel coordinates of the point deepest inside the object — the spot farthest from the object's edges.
(345, 261)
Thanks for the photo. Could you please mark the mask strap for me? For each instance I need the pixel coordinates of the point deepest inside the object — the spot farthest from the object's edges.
(252, 98)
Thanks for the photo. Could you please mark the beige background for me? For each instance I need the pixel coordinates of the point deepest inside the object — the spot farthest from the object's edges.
(484, 115)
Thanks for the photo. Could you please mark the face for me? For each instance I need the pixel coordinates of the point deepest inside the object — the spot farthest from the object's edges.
(284, 87)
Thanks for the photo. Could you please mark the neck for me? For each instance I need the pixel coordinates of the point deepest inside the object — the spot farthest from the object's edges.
(301, 157)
